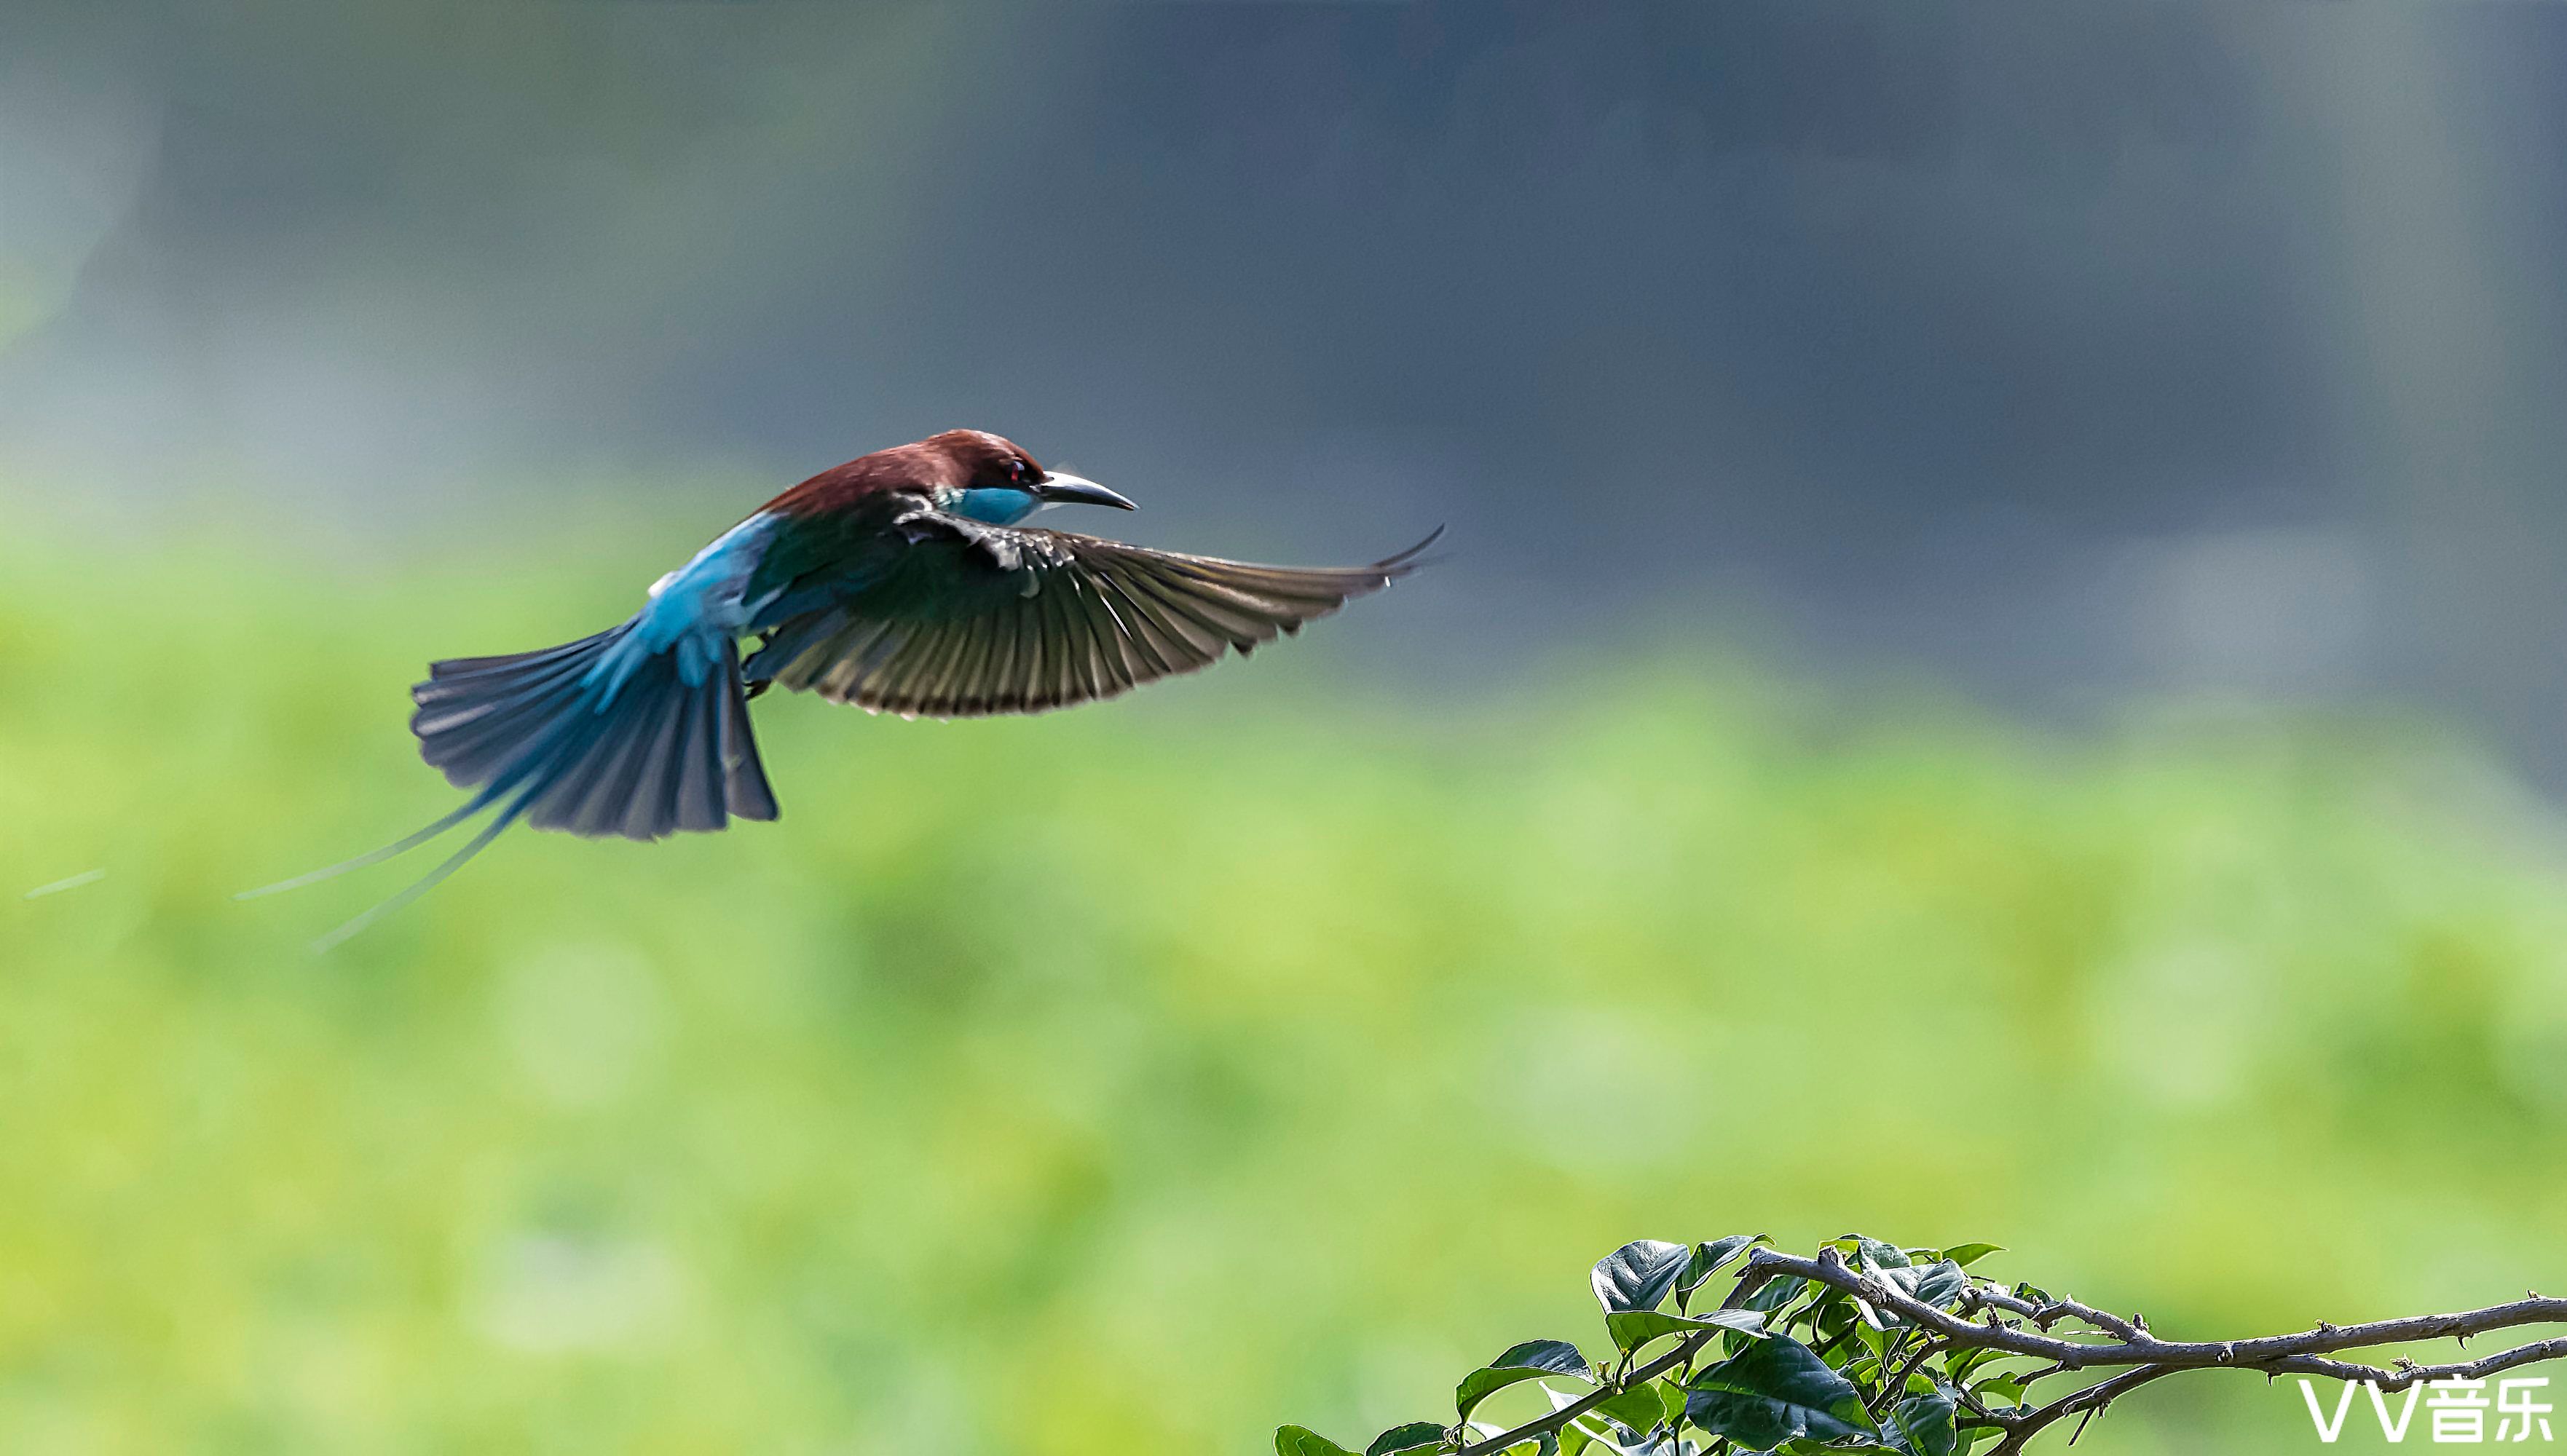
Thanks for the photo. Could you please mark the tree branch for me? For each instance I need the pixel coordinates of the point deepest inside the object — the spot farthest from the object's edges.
(2123, 1344)
(2275, 1354)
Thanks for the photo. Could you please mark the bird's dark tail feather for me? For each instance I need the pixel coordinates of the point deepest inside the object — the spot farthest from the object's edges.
(551, 737)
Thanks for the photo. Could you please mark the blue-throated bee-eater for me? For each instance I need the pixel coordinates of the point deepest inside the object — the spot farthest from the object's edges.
(901, 582)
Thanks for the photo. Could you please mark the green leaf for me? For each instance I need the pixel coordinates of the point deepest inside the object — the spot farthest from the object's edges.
(1633, 1328)
(1640, 1407)
(1921, 1425)
(1940, 1284)
(1936, 1284)
(2008, 1386)
(1301, 1441)
(1831, 1316)
(1529, 1360)
(1622, 1440)
(1638, 1275)
(1773, 1392)
(1774, 1293)
(1417, 1435)
(1887, 1256)
(1960, 1363)
(1966, 1254)
(1707, 1260)
(1931, 1285)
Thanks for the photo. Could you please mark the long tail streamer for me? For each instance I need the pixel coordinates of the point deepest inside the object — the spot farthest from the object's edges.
(629, 748)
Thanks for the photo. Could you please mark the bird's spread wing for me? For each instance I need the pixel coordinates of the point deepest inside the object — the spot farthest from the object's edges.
(976, 620)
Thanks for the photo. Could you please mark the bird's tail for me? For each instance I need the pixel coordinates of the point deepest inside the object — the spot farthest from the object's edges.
(598, 737)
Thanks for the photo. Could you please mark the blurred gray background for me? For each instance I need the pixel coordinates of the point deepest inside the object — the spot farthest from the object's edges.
(2077, 355)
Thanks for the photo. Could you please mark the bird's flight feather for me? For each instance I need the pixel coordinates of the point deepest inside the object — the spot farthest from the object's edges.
(976, 619)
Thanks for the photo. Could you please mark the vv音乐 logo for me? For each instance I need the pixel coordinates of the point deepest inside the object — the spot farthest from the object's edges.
(2463, 1411)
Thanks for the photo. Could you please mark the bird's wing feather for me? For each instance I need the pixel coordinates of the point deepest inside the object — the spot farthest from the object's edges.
(976, 619)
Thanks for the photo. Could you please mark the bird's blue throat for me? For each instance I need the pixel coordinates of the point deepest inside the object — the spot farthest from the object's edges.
(1002, 505)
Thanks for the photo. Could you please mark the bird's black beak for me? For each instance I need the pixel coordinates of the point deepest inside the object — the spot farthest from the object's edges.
(1056, 489)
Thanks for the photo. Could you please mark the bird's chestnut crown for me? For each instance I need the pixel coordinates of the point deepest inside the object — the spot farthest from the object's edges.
(983, 461)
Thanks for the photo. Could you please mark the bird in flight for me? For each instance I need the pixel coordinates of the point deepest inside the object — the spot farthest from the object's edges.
(901, 582)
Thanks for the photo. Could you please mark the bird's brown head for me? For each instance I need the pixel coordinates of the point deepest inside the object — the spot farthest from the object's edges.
(975, 459)
(990, 478)
(981, 474)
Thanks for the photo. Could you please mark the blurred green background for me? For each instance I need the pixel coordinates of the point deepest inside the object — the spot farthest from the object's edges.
(1999, 676)
(1274, 1046)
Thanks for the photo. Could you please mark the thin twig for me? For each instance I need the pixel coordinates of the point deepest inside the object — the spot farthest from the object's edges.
(2093, 1398)
(1897, 1382)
